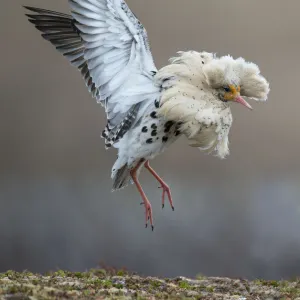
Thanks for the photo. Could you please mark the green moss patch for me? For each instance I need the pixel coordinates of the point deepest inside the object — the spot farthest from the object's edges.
(105, 284)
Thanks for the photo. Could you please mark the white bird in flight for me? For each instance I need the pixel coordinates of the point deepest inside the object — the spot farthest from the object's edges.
(148, 109)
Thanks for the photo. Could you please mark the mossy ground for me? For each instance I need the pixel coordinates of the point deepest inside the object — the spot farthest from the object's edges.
(104, 284)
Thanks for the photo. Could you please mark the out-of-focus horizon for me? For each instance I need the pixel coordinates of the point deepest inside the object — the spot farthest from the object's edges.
(236, 217)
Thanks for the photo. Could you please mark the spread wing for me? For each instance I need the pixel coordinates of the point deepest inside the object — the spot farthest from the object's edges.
(109, 45)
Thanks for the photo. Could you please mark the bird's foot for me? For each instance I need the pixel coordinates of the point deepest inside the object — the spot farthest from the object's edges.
(167, 191)
(149, 215)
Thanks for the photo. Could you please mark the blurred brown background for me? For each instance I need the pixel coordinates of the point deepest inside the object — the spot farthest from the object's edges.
(236, 217)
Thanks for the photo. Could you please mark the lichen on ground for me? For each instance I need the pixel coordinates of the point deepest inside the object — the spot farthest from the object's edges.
(101, 284)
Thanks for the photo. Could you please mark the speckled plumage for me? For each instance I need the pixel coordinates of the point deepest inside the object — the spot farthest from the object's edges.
(149, 137)
(148, 109)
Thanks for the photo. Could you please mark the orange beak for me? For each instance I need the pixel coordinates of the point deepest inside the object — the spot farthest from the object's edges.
(234, 95)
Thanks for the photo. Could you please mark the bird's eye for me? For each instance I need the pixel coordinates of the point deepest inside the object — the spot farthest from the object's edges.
(226, 89)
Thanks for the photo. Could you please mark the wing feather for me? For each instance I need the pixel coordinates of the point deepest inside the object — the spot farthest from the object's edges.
(60, 30)
(110, 47)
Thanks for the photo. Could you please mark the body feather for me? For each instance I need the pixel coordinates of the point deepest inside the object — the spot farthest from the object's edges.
(189, 100)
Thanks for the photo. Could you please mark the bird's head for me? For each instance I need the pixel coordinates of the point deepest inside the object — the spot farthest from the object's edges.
(233, 79)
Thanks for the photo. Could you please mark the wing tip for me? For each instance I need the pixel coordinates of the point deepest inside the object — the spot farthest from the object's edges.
(31, 8)
(47, 12)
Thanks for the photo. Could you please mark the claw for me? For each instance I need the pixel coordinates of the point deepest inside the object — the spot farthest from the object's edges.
(164, 186)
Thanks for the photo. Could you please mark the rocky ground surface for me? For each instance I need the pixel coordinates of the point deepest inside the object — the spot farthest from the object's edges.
(101, 284)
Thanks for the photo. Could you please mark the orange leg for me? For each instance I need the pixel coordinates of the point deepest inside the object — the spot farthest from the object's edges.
(147, 203)
(164, 186)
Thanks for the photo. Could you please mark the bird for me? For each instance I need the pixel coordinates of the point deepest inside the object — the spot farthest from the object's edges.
(148, 109)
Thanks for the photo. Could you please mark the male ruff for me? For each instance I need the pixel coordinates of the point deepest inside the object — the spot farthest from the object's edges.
(148, 109)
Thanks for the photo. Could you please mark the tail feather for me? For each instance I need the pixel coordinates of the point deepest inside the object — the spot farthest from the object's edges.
(121, 178)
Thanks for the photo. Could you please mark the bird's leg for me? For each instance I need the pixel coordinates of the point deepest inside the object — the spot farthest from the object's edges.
(164, 186)
(147, 203)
